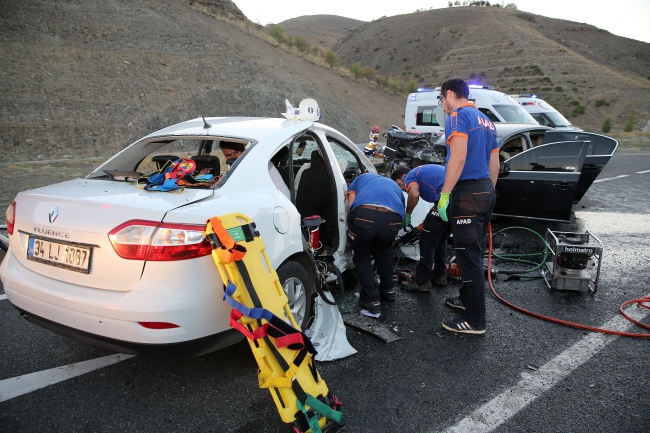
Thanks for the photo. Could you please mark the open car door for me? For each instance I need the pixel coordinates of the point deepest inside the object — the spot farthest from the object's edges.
(601, 149)
(540, 183)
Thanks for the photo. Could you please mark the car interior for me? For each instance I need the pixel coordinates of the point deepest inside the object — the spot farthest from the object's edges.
(303, 166)
(513, 146)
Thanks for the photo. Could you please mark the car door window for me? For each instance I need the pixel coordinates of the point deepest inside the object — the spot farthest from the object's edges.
(550, 157)
(601, 145)
(490, 115)
(426, 116)
(513, 146)
(347, 161)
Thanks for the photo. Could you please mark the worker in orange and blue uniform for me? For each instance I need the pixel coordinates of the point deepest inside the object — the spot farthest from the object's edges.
(426, 182)
(376, 214)
(468, 198)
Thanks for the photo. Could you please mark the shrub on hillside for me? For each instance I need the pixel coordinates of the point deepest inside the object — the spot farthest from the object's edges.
(302, 44)
(356, 70)
(629, 125)
(277, 32)
(394, 85)
(331, 58)
(607, 125)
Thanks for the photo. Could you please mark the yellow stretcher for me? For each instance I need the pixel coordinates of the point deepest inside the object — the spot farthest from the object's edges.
(261, 311)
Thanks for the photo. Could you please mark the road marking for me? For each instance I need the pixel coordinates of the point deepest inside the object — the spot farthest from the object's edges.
(507, 404)
(611, 178)
(3, 297)
(17, 386)
(641, 172)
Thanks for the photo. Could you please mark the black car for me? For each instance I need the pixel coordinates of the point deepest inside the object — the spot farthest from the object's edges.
(543, 171)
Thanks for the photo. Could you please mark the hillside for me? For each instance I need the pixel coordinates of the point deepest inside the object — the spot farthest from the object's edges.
(323, 31)
(585, 72)
(85, 79)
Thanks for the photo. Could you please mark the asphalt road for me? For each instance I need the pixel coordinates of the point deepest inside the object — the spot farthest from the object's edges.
(429, 381)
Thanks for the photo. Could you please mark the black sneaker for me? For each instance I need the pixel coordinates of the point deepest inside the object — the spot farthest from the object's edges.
(454, 302)
(460, 325)
(413, 286)
(440, 280)
(372, 307)
(387, 294)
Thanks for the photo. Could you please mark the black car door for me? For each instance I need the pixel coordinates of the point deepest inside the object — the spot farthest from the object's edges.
(601, 149)
(540, 183)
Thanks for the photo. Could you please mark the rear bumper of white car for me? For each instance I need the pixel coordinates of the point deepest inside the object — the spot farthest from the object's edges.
(111, 319)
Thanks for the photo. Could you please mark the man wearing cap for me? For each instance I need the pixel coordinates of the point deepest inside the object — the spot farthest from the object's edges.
(425, 182)
(468, 198)
(376, 213)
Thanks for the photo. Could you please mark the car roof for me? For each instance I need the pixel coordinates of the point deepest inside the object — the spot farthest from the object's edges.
(252, 128)
(504, 129)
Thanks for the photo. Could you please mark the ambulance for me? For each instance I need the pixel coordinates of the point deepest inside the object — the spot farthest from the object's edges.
(423, 114)
(543, 112)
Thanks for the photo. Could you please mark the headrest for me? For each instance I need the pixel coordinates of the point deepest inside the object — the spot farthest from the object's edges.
(317, 159)
(281, 157)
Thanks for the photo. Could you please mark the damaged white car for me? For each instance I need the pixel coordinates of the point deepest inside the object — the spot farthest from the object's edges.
(108, 263)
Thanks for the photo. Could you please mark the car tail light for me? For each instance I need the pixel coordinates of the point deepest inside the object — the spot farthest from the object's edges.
(150, 240)
(11, 217)
(158, 325)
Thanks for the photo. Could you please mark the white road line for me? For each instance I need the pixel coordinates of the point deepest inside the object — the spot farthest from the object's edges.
(611, 178)
(17, 386)
(507, 404)
(641, 172)
(3, 297)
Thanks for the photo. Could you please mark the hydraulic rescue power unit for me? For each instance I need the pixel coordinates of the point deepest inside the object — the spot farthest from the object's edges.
(575, 261)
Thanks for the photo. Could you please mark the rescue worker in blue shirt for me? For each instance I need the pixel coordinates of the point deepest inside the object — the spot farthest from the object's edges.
(468, 198)
(425, 182)
(376, 213)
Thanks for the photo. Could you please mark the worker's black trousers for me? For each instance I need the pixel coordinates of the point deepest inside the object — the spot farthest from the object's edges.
(469, 211)
(371, 234)
(433, 247)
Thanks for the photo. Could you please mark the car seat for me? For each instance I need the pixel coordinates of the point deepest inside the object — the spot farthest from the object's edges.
(208, 161)
(316, 197)
(161, 160)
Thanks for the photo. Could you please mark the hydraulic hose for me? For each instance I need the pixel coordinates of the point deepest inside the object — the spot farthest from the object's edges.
(518, 258)
(641, 302)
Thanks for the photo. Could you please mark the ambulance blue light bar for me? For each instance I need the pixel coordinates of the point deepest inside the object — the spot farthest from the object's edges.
(423, 89)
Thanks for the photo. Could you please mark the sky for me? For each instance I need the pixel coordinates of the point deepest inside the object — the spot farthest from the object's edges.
(628, 18)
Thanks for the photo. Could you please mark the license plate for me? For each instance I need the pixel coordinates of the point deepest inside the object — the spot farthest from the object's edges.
(75, 257)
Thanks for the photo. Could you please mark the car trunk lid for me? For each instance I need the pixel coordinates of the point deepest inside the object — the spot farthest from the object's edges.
(77, 215)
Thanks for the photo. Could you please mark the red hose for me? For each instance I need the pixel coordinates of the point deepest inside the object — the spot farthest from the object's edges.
(640, 302)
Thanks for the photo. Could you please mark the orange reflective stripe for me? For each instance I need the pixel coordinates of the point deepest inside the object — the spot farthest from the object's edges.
(409, 185)
(495, 150)
(456, 134)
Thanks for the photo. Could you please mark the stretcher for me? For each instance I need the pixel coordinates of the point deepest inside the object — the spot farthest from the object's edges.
(284, 354)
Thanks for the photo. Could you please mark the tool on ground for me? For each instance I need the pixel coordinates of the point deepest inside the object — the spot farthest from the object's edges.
(261, 312)
(573, 256)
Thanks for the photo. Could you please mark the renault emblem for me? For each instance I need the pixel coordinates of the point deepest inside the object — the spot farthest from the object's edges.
(54, 213)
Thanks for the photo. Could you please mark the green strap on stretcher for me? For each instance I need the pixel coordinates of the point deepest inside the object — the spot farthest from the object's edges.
(322, 409)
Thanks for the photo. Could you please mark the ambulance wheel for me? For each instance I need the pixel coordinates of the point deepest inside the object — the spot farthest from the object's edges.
(295, 283)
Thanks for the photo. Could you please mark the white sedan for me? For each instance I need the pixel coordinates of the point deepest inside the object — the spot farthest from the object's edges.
(106, 262)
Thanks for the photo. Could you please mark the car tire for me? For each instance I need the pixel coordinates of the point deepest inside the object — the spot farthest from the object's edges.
(296, 285)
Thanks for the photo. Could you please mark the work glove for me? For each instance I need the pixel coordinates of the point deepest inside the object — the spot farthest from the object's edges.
(442, 205)
(407, 222)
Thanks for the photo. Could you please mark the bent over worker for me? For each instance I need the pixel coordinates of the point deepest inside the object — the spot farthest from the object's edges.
(376, 213)
(425, 182)
(468, 198)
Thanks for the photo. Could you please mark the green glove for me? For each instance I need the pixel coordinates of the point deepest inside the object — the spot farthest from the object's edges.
(442, 205)
(407, 222)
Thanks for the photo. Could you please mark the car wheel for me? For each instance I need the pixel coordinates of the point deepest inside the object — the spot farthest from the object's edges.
(296, 284)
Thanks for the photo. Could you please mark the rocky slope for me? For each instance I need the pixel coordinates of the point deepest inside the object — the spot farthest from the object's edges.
(572, 65)
(86, 78)
(323, 31)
